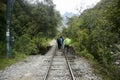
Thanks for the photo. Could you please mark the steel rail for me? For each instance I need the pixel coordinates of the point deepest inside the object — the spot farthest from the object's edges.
(70, 69)
(48, 70)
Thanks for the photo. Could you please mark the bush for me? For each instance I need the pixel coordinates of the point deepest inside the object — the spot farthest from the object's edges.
(2, 49)
(36, 45)
(32, 48)
(21, 43)
(86, 54)
(41, 45)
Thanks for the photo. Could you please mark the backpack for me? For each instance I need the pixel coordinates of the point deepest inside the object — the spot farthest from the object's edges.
(60, 40)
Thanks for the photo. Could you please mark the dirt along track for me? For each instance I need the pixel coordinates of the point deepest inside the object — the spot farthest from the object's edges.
(35, 68)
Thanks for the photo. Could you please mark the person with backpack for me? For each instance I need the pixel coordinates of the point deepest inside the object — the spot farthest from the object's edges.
(67, 43)
(60, 41)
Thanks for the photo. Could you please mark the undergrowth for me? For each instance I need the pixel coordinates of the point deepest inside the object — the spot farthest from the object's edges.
(5, 62)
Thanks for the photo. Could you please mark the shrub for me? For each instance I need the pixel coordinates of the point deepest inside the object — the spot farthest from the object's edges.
(2, 49)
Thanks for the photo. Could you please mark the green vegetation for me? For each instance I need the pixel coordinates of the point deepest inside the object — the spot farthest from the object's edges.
(4, 62)
(94, 33)
(32, 26)
(2, 27)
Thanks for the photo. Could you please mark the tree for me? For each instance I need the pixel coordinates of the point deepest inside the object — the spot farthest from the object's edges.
(2, 27)
(95, 31)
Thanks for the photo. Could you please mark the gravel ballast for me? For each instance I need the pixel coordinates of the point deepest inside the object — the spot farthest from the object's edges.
(35, 68)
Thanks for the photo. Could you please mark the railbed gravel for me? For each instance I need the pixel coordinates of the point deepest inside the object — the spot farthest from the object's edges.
(32, 68)
(35, 67)
(82, 70)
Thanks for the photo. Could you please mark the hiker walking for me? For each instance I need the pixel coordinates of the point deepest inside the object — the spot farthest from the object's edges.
(60, 42)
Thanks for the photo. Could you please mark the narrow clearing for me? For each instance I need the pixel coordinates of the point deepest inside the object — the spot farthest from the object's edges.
(35, 68)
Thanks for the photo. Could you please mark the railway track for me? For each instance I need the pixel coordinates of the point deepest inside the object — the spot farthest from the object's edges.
(59, 68)
(52, 66)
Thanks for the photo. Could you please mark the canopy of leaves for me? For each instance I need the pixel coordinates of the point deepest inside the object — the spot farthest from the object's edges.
(2, 26)
(95, 31)
(35, 19)
(29, 22)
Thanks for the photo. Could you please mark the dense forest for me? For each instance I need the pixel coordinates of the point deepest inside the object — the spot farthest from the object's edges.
(95, 32)
(32, 25)
(2, 26)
